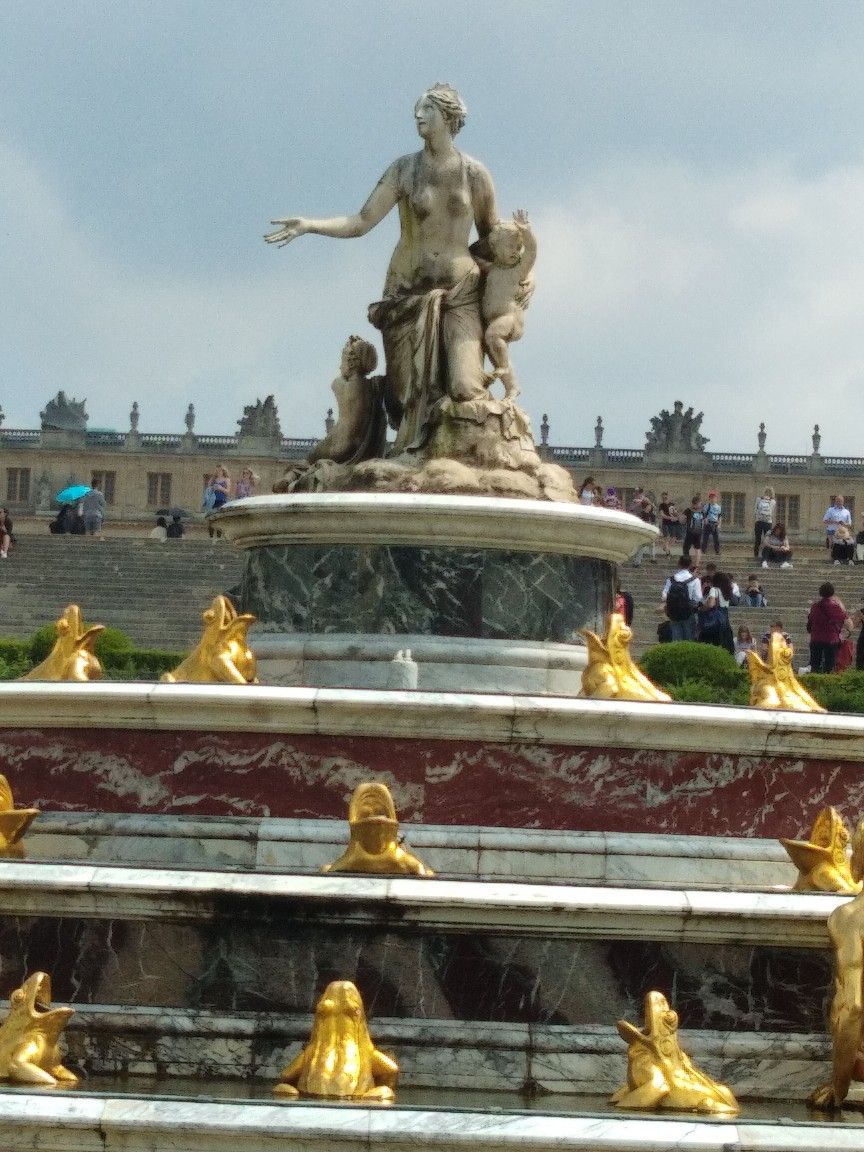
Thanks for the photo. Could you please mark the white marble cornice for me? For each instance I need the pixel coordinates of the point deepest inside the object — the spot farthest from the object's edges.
(504, 718)
(433, 521)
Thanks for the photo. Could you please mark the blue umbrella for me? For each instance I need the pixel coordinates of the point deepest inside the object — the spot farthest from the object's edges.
(72, 493)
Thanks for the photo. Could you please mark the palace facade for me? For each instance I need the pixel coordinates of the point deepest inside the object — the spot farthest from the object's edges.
(142, 472)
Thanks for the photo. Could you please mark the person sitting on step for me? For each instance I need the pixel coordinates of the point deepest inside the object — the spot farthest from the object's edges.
(776, 548)
(843, 546)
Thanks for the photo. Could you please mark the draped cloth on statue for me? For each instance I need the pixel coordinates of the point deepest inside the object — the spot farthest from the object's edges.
(433, 344)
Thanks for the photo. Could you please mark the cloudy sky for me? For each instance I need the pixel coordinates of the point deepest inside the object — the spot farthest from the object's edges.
(695, 173)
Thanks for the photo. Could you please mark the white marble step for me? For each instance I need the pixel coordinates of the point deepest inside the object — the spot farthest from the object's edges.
(79, 1122)
(433, 1054)
(785, 919)
(458, 851)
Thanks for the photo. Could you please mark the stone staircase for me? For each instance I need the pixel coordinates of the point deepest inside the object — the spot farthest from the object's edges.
(154, 592)
(789, 592)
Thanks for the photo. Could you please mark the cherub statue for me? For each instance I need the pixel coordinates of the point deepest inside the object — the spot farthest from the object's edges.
(659, 1074)
(222, 655)
(340, 1062)
(611, 673)
(374, 845)
(773, 684)
(822, 861)
(361, 429)
(72, 657)
(507, 292)
(30, 1034)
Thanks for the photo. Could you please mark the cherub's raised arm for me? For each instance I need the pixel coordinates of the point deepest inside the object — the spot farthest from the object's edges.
(383, 198)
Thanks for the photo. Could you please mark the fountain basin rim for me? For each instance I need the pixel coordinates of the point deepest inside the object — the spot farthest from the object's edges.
(501, 718)
(418, 520)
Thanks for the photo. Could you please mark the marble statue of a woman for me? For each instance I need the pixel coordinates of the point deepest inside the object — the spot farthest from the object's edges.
(432, 289)
(436, 391)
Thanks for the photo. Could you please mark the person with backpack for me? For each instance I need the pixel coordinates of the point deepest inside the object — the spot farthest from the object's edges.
(693, 530)
(712, 514)
(681, 596)
(766, 509)
(714, 626)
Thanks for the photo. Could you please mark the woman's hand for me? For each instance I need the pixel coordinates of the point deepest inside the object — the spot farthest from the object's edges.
(290, 228)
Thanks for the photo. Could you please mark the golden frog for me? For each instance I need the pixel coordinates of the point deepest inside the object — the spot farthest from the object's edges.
(30, 1034)
(72, 657)
(222, 655)
(822, 861)
(773, 684)
(611, 673)
(14, 822)
(374, 845)
(340, 1060)
(659, 1074)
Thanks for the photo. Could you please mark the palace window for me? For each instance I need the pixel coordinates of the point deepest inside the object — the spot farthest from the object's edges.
(789, 512)
(158, 489)
(733, 509)
(17, 485)
(104, 481)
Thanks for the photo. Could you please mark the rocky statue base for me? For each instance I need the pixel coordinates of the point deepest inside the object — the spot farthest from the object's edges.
(476, 448)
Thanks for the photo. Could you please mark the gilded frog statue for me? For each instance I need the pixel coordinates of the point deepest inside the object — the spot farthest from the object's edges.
(611, 673)
(659, 1074)
(374, 843)
(72, 657)
(340, 1061)
(222, 655)
(30, 1034)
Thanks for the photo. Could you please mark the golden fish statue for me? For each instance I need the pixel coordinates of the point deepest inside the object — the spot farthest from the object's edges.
(72, 657)
(659, 1074)
(374, 841)
(773, 684)
(340, 1061)
(846, 929)
(30, 1034)
(611, 673)
(14, 822)
(822, 861)
(222, 655)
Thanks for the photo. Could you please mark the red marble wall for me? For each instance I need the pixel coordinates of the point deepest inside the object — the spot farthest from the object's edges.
(433, 781)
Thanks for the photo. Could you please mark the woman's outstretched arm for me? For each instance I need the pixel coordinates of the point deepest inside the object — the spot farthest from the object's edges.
(383, 198)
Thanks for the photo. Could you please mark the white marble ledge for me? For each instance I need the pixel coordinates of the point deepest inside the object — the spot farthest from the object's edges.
(463, 851)
(417, 519)
(506, 719)
(788, 919)
(78, 1123)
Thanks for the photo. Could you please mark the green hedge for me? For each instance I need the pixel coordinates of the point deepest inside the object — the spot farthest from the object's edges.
(686, 661)
(703, 674)
(120, 659)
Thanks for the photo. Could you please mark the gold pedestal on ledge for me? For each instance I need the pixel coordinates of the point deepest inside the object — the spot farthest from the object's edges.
(222, 655)
(72, 657)
(30, 1034)
(611, 673)
(822, 861)
(659, 1074)
(773, 684)
(340, 1062)
(374, 844)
